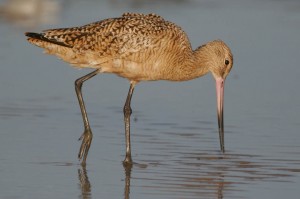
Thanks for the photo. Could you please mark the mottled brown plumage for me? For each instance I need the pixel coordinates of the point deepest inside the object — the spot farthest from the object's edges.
(138, 47)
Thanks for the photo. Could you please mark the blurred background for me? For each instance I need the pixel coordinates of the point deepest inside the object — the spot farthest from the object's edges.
(174, 133)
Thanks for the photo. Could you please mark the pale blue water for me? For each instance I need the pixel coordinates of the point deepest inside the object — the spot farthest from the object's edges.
(174, 132)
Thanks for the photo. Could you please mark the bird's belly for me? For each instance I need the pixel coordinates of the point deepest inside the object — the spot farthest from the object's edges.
(133, 70)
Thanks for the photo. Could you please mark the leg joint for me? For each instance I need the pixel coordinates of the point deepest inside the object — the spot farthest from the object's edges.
(78, 83)
(127, 110)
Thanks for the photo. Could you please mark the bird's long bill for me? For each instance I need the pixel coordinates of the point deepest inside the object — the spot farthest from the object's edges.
(220, 101)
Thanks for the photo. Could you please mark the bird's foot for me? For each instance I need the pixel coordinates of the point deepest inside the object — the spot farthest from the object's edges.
(128, 161)
(86, 138)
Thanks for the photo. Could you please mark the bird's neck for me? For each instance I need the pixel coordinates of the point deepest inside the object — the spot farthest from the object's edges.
(201, 62)
(194, 64)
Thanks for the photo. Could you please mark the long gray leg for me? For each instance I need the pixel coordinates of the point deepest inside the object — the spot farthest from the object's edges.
(127, 112)
(87, 135)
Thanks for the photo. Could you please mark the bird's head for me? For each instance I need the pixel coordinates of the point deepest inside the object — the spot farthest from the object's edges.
(218, 59)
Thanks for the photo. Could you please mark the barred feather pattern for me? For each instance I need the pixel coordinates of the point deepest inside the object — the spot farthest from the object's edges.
(134, 46)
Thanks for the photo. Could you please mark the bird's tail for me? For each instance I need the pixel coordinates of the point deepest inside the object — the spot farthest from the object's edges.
(40, 40)
(35, 35)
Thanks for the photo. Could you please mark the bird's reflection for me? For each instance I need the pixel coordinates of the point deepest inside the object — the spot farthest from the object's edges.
(204, 183)
(220, 189)
(85, 184)
(206, 186)
(194, 175)
(86, 187)
(127, 169)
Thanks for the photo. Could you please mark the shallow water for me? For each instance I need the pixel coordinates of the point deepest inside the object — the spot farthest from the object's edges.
(174, 129)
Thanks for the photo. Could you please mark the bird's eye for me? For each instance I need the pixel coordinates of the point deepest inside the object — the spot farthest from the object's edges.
(226, 62)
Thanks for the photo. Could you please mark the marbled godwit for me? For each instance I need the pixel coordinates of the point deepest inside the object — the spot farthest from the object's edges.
(140, 48)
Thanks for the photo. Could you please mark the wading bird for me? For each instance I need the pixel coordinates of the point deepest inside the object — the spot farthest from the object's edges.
(138, 47)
